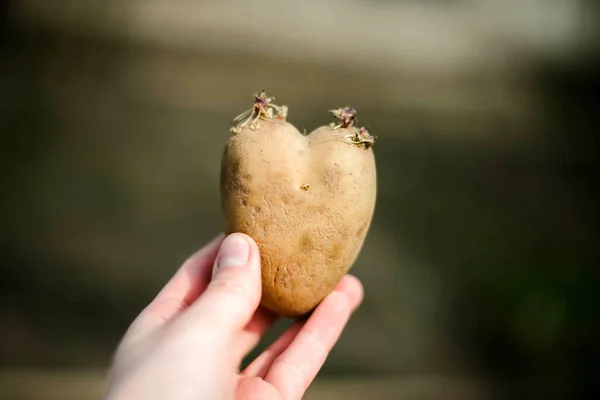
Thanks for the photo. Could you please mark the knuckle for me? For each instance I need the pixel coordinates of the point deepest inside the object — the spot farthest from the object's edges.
(229, 286)
(313, 340)
(297, 373)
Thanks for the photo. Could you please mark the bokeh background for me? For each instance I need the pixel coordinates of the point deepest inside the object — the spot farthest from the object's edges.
(481, 266)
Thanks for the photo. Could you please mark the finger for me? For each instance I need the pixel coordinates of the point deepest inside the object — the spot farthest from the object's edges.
(188, 282)
(296, 367)
(262, 320)
(183, 289)
(260, 366)
(233, 295)
(352, 288)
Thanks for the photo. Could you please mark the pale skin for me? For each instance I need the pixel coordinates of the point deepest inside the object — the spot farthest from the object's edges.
(189, 342)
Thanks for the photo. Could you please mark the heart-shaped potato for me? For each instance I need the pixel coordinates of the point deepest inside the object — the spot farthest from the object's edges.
(307, 201)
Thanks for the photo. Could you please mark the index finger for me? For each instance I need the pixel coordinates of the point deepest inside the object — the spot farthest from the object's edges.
(181, 290)
(296, 367)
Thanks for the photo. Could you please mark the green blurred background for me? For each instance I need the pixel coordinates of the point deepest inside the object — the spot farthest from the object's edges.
(481, 267)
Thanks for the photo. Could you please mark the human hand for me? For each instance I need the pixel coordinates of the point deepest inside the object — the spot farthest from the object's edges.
(189, 342)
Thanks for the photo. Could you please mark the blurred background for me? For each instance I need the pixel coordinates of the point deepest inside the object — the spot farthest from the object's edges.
(481, 266)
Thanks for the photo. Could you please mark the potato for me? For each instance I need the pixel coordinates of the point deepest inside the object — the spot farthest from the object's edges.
(307, 200)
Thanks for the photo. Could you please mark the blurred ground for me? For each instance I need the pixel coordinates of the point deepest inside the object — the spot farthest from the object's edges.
(86, 385)
(482, 260)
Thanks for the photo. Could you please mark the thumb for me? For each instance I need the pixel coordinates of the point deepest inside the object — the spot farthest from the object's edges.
(233, 295)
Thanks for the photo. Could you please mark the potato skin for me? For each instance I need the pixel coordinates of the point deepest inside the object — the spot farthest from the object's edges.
(307, 201)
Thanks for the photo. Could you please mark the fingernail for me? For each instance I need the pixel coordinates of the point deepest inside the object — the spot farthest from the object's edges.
(234, 252)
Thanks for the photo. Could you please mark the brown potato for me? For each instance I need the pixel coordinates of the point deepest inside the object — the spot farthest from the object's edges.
(307, 200)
